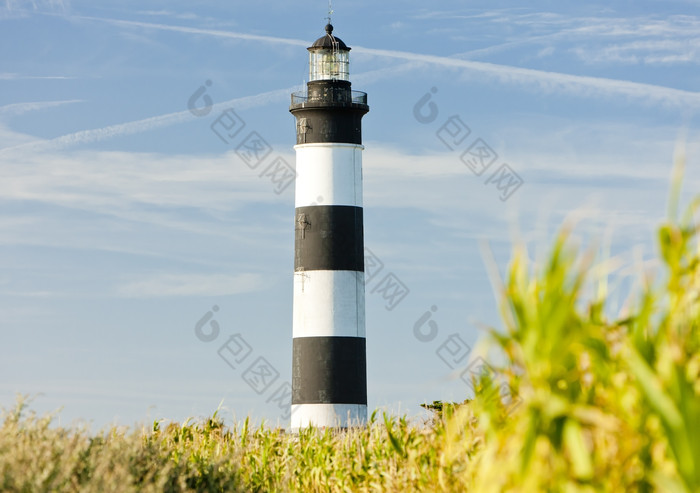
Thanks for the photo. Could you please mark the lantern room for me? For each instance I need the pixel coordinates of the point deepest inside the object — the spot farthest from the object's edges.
(329, 58)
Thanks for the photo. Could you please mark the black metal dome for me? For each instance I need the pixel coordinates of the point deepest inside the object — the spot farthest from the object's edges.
(329, 41)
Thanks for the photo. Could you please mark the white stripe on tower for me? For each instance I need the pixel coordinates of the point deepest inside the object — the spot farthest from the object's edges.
(331, 174)
(329, 303)
(329, 381)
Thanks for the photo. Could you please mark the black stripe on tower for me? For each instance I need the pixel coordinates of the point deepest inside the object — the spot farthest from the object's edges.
(329, 370)
(329, 237)
(329, 112)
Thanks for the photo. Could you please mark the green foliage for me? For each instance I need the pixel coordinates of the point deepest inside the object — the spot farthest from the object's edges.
(605, 402)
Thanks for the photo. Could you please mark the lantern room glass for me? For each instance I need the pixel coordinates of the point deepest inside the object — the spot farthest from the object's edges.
(329, 65)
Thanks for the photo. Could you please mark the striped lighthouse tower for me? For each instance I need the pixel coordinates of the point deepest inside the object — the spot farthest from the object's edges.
(329, 376)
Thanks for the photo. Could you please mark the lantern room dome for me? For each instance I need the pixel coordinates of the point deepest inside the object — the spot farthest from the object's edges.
(329, 42)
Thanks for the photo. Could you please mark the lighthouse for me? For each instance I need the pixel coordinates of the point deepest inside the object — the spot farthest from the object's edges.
(329, 370)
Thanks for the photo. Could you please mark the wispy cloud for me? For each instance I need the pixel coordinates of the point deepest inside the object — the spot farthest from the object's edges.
(662, 52)
(166, 285)
(551, 23)
(460, 14)
(13, 76)
(32, 294)
(12, 8)
(602, 39)
(189, 16)
(20, 108)
(148, 191)
(124, 181)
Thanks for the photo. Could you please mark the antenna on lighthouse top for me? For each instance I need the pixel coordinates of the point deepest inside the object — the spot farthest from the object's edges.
(330, 10)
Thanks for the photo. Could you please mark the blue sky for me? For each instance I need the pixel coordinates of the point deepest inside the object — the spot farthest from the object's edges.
(124, 218)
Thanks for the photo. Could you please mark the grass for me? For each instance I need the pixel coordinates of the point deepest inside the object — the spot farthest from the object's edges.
(608, 403)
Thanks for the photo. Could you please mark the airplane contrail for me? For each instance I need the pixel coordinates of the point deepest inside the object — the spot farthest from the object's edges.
(195, 30)
(580, 85)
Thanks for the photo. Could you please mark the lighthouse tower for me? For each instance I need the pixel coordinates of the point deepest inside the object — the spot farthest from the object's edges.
(329, 375)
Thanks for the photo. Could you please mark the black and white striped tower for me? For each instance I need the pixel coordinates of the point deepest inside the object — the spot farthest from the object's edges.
(329, 375)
